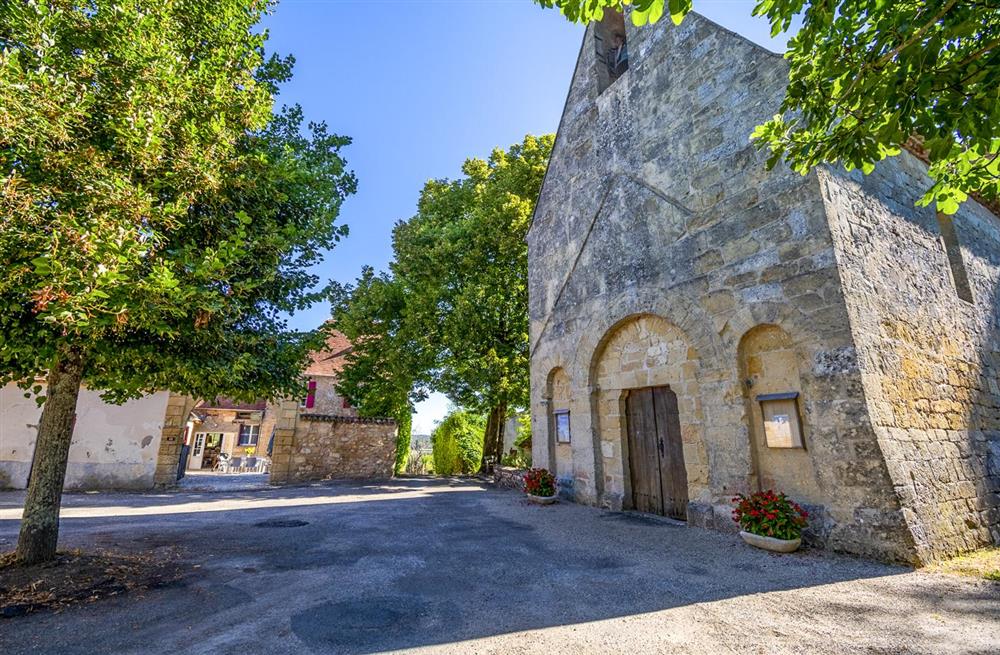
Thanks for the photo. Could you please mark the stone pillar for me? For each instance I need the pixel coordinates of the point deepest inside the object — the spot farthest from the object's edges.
(171, 440)
(284, 440)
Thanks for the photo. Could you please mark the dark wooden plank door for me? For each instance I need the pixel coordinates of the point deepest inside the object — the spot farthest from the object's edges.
(673, 475)
(644, 470)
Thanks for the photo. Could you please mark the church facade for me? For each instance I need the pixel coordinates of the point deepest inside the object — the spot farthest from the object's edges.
(701, 326)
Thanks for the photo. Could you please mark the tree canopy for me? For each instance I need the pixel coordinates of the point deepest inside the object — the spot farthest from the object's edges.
(159, 220)
(868, 77)
(451, 313)
(458, 443)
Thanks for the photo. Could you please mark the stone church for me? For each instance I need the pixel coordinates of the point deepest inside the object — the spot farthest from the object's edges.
(701, 326)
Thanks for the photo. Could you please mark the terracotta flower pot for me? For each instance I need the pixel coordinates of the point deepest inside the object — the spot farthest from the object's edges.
(770, 543)
(542, 500)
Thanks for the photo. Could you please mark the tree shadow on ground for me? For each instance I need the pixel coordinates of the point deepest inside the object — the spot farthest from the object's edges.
(445, 566)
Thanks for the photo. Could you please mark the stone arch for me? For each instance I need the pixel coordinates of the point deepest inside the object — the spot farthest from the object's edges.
(686, 313)
(770, 362)
(645, 350)
(558, 395)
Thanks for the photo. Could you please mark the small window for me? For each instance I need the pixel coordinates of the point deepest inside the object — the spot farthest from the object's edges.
(310, 400)
(611, 49)
(562, 426)
(244, 416)
(953, 250)
(199, 443)
(249, 435)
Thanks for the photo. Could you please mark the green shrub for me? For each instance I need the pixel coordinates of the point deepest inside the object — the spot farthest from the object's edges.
(458, 443)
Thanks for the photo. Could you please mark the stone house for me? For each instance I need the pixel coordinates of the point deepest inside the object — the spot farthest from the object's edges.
(223, 426)
(321, 436)
(137, 445)
(701, 326)
(237, 429)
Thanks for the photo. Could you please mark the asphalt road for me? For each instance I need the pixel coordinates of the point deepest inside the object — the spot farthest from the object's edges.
(439, 566)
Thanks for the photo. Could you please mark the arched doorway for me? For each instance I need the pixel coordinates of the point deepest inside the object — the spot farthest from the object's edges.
(644, 376)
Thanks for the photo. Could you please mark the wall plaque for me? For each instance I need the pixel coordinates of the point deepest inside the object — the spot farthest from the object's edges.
(782, 427)
(562, 426)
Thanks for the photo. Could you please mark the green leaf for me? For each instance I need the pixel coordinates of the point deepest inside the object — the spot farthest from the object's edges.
(678, 10)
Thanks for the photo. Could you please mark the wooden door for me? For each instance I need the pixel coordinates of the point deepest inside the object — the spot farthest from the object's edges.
(673, 475)
(644, 469)
(656, 454)
(197, 451)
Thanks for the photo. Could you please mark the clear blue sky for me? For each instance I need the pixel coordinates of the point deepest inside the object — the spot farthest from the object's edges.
(421, 85)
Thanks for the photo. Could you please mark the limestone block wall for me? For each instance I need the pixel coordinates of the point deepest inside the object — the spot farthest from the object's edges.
(930, 360)
(171, 439)
(320, 447)
(769, 364)
(656, 205)
(113, 447)
(559, 401)
(646, 352)
(328, 401)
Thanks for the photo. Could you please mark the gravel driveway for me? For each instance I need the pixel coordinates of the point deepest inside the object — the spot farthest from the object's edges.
(439, 566)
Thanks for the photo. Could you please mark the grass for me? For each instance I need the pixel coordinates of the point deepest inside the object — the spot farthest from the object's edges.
(983, 564)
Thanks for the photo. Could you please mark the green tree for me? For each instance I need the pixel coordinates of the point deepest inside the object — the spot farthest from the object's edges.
(159, 221)
(451, 315)
(868, 76)
(458, 443)
(388, 360)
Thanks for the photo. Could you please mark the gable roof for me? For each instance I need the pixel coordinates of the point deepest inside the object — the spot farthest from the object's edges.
(580, 73)
(330, 361)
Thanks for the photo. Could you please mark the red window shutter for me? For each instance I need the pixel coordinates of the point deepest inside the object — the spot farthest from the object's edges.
(311, 398)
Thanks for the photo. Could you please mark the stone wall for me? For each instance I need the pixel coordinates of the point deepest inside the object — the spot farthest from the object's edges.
(658, 213)
(930, 360)
(113, 447)
(171, 439)
(507, 477)
(321, 447)
(327, 400)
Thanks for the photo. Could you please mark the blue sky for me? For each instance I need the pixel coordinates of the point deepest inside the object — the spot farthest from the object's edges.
(420, 86)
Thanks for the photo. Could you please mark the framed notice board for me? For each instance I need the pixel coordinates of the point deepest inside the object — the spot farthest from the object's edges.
(782, 426)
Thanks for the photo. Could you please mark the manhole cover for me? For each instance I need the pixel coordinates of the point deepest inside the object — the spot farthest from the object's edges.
(281, 523)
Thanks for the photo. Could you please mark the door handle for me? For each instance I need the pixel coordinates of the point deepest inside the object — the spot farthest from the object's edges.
(660, 445)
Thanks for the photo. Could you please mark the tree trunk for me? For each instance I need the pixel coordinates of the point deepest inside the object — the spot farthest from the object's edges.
(493, 439)
(40, 523)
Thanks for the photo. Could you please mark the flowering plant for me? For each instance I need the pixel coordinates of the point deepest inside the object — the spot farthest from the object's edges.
(769, 514)
(539, 482)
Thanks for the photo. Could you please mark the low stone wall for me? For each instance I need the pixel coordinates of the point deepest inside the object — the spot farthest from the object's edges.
(322, 447)
(507, 477)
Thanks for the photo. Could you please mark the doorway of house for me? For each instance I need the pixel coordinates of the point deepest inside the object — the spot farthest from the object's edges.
(213, 446)
(205, 449)
(656, 453)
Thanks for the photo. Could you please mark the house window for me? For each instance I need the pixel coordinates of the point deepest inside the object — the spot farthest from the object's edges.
(611, 49)
(959, 276)
(244, 416)
(310, 400)
(249, 434)
(562, 426)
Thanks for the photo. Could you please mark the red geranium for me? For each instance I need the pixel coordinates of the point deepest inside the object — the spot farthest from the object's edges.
(539, 482)
(769, 514)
